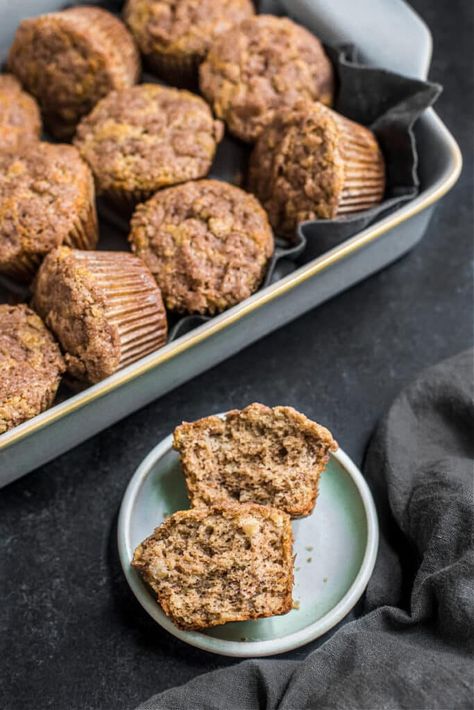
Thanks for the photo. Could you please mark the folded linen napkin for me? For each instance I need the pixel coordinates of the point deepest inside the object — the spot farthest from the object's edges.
(413, 645)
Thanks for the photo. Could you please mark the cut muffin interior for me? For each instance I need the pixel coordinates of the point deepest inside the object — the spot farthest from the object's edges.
(255, 455)
(213, 565)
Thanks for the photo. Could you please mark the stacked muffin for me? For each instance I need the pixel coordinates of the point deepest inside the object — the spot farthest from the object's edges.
(201, 246)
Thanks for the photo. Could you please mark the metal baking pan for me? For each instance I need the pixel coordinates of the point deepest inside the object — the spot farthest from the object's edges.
(388, 34)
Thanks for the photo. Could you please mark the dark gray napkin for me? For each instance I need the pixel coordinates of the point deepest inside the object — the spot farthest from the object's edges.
(413, 647)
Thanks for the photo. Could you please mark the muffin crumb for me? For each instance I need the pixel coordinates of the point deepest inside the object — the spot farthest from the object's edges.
(255, 455)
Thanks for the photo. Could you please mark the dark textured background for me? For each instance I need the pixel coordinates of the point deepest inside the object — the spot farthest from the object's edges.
(72, 635)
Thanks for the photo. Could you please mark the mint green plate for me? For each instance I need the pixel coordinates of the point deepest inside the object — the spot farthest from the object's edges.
(335, 551)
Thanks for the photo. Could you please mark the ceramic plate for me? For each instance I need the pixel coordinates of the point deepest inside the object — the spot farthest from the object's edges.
(335, 551)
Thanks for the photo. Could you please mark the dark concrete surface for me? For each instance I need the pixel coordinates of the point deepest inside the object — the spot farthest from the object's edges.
(72, 635)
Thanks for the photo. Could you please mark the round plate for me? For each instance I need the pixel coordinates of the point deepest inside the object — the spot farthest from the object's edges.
(335, 550)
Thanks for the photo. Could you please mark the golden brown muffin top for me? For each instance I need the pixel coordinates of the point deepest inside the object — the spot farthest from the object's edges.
(85, 297)
(298, 166)
(30, 366)
(20, 120)
(182, 27)
(207, 243)
(43, 193)
(147, 137)
(261, 66)
(220, 564)
(68, 60)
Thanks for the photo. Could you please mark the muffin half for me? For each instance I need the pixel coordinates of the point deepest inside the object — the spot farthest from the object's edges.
(207, 243)
(174, 35)
(20, 121)
(261, 66)
(220, 564)
(312, 163)
(46, 199)
(31, 366)
(104, 308)
(69, 60)
(270, 456)
(147, 137)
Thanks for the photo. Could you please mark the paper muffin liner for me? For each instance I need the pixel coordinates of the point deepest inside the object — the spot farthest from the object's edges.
(364, 167)
(84, 232)
(24, 267)
(133, 303)
(125, 201)
(178, 71)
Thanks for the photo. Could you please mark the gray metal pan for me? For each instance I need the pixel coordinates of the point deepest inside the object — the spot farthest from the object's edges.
(389, 34)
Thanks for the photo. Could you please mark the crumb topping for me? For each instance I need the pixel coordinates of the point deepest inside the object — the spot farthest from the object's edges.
(207, 243)
(261, 66)
(148, 137)
(30, 366)
(44, 191)
(182, 27)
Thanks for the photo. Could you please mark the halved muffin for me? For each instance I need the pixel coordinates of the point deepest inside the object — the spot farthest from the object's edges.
(270, 456)
(220, 564)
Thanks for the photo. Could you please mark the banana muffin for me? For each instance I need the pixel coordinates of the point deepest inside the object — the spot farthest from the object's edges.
(31, 366)
(104, 308)
(220, 564)
(46, 199)
(147, 137)
(20, 121)
(259, 67)
(255, 455)
(68, 60)
(312, 163)
(207, 243)
(174, 35)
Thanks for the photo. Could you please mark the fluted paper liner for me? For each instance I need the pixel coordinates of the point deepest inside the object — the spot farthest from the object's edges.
(364, 167)
(133, 303)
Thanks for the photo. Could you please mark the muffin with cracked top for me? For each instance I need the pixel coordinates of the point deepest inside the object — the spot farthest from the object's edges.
(312, 163)
(20, 121)
(207, 243)
(46, 199)
(31, 366)
(174, 35)
(261, 66)
(145, 138)
(69, 60)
